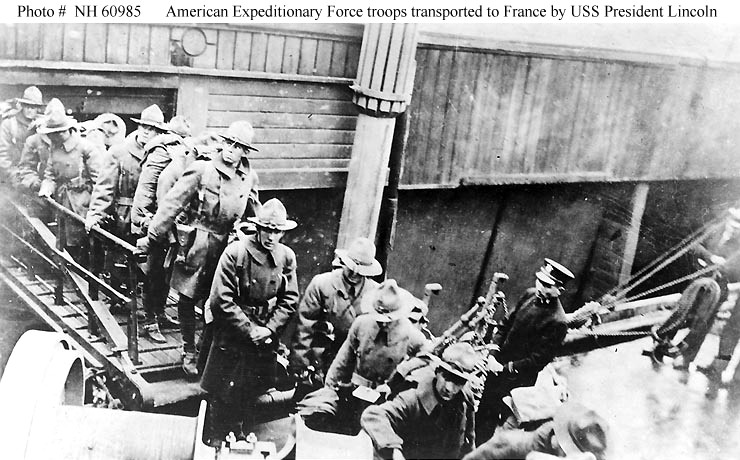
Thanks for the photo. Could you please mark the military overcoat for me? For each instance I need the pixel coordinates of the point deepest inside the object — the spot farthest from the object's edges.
(213, 196)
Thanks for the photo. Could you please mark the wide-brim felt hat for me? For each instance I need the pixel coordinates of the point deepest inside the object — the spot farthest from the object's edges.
(389, 302)
(359, 256)
(240, 132)
(31, 96)
(152, 116)
(579, 429)
(56, 122)
(460, 360)
(273, 215)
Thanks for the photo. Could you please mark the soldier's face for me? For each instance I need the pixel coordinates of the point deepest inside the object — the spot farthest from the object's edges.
(145, 133)
(59, 137)
(547, 291)
(30, 111)
(350, 274)
(269, 238)
(448, 385)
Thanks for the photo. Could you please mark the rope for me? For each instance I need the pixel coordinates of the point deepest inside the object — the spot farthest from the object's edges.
(694, 239)
(690, 276)
(611, 334)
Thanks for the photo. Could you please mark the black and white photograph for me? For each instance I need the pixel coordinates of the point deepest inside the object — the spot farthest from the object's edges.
(370, 240)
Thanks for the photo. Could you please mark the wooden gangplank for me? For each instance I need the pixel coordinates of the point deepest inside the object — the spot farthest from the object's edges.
(32, 269)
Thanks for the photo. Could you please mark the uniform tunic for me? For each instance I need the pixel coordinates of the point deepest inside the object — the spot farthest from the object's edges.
(529, 338)
(128, 156)
(327, 298)
(213, 196)
(370, 353)
(158, 153)
(72, 170)
(33, 160)
(421, 424)
(13, 134)
(251, 287)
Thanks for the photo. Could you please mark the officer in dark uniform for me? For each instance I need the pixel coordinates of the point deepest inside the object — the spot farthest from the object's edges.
(527, 341)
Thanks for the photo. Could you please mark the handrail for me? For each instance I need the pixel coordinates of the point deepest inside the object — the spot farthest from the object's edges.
(103, 233)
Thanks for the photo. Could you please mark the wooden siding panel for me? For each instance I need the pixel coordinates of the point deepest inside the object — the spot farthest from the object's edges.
(352, 61)
(96, 35)
(307, 61)
(275, 50)
(159, 47)
(29, 46)
(242, 51)
(275, 88)
(459, 135)
(74, 42)
(276, 120)
(7, 44)
(419, 117)
(438, 106)
(323, 57)
(291, 55)
(225, 50)
(493, 122)
(338, 59)
(280, 104)
(138, 49)
(258, 56)
(117, 46)
(560, 109)
(303, 150)
(536, 93)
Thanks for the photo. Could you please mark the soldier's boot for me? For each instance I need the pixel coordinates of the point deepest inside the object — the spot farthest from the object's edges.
(152, 331)
(715, 369)
(166, 321)
(190, 363)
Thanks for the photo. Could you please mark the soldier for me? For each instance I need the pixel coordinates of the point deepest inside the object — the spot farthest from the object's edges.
(215, 194)
(74, 167)
(330, 305)
(527, 341)
(723, 251)
(36, 151)
(377, 341)
(15, 130)
(160, 151)
(433, 420)
(253, 296)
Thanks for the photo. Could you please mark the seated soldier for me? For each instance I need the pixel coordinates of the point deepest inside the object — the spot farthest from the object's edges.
(433, 420)
(376, 343)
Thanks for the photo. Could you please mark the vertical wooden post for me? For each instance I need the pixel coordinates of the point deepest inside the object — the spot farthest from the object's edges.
(385, 77)
(639, 198)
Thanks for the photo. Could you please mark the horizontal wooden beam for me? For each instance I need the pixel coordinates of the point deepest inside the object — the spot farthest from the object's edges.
(8, 66)
(307, 178)
(483, 44)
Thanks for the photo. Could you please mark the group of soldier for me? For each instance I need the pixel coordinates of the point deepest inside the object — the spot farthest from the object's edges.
(190, 204)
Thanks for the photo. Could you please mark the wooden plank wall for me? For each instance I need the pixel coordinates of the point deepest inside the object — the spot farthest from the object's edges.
(490, 117)
(304, 130)
(331, 50)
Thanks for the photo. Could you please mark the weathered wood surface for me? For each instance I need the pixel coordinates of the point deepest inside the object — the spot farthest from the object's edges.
(486, 116)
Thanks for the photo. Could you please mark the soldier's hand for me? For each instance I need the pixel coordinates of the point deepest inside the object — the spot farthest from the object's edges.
(259, 334)
(717, 260)
(92, 221)
(493, 365)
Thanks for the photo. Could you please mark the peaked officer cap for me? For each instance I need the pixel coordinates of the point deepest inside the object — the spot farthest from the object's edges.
(151, 116)
(360, 257)
(553, 273)
(242, 133)
(31, 96)
(273, 215)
